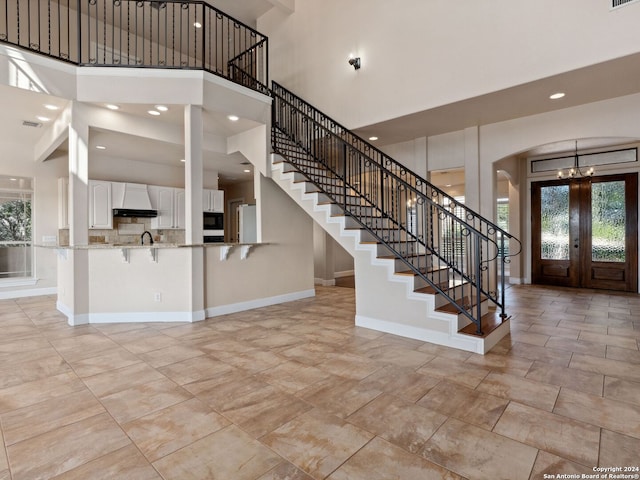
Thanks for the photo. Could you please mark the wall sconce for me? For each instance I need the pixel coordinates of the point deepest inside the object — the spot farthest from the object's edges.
(355, 62)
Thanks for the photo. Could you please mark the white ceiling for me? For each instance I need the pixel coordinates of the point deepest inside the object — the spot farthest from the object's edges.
(591, 84)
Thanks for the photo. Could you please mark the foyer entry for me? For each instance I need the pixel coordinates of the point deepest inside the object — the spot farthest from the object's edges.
(585, 232)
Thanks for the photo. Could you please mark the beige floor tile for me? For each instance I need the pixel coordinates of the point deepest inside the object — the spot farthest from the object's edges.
(402, 382)
(583, 327)
(399, 356)
(461, 402)
(553, 433)
(578, 346)
(277, 341)
(38, 391)
(143, 399)
(456, 371)
(23, 345)
(174, 427)
(252, 361)
(614, 340)
(82, 346)
(501, 363)
(228, 454)
(618, 450)
(476, 453)
(339, 396)
(46, 416)
(552, 465)
(262, 410)
(316, 442)
(622, 390)
(604, 366)
(529, 337)
(292, 376)
(155, 342)
(521, 390)
(347, 365)
(613, 415)
(572, 378)
(554, 331)
(542, 354)
(380, 460)
(285, 471)
(65, 448)
(168, 355)
(111, 360)
(623, 354)
(114, 381)
(195, 370)
(126, 463)
(28, 371)
(402, 423)
(446, 352)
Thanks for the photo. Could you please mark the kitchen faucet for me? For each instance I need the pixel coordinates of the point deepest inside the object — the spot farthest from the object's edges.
(146, 232)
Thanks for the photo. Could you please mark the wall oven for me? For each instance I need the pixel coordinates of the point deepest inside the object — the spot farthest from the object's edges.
(213, 227)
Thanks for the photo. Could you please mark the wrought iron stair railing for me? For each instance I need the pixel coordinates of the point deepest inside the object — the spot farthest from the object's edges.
(171, 34)
(459, 254)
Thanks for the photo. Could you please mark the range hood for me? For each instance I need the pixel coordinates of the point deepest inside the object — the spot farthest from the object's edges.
(131, 200)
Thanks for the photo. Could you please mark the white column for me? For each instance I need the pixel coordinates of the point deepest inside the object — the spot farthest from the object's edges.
(74, 278)
(193, 172)
(193, 134)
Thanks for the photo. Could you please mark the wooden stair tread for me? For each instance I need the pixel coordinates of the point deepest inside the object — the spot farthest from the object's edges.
(451, 308)
(489, 322)
(432, 291)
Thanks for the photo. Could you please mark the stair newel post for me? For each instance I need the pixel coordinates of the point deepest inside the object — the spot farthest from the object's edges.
(478, 264)
(344, 175)
(502, 260)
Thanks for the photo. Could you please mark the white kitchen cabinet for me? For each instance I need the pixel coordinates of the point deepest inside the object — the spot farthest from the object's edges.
(213, 200)
(170, 204)
(100, 205)
(179, 214)
(63, 202)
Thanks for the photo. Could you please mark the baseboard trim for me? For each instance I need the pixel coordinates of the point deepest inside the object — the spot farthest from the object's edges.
(460, 342)
(345, 273)
(258, 303)
(324, 283)
(27, 292)
(516, 281)
(129, 317)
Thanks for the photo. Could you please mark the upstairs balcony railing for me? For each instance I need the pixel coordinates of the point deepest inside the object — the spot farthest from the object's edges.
(144, 34)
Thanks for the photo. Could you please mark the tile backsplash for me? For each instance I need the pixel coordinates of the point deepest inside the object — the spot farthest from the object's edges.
(127, 230)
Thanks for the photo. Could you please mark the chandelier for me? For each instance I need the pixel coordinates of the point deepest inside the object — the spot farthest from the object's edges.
(576, 171)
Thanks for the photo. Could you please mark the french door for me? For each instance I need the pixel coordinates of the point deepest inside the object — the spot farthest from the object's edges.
(585, 232)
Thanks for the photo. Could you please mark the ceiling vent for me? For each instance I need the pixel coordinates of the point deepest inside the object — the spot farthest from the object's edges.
(621, 3)
(29, 123)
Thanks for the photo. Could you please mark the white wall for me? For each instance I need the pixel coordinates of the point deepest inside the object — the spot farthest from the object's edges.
(419, 54)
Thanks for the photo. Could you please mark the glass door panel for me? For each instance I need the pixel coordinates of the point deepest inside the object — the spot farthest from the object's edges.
(554, 222)
(608, 222)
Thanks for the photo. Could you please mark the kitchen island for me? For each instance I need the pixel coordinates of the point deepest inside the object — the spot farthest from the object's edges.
(162, 282)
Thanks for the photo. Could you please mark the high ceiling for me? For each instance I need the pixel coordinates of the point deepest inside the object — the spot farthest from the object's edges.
(586, 85)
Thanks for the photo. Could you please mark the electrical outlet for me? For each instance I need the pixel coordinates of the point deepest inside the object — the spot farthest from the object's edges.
(157, 297)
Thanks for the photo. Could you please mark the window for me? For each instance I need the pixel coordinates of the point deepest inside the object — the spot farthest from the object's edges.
(15, 227)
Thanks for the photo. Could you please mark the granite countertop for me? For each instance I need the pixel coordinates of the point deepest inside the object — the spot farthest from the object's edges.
(106, 246)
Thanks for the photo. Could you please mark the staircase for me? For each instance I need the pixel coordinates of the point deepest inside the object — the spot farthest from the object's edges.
(426, 266)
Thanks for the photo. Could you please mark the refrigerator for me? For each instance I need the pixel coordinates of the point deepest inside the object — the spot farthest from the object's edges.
(247, 230)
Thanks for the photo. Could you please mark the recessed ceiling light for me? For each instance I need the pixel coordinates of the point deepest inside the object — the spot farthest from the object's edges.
(233, 118)
(161, 108)
(183, 160)
(13, 179)
(153, 112)
(448, 185)
(246, 170)
(48, 106)
(556, 96)
(112, 106)
(373, 139)
(101, 147)
(43, 118)
(197, 24)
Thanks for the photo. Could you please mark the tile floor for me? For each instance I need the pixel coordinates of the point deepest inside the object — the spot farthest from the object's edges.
(295, 391)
